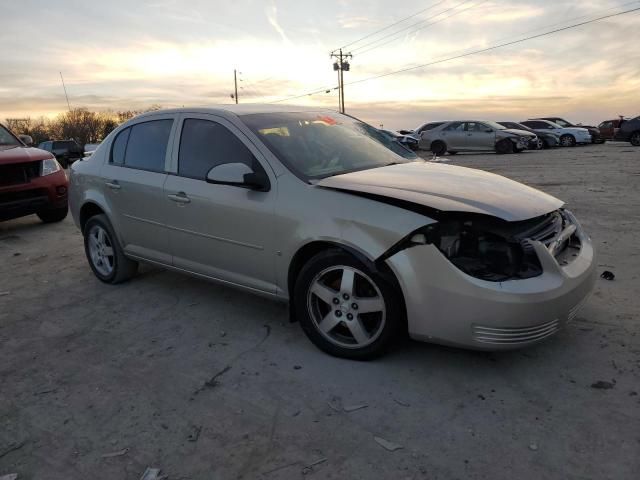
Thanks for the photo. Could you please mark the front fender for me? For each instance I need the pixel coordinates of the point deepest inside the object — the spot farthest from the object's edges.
(369, 227)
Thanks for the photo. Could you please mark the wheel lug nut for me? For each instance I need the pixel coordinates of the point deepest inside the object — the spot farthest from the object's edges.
(345, 296)
(338, 313)
(336, 300)
(354, 306)
(349, 316)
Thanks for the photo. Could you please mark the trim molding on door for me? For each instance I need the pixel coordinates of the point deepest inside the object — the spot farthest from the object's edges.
(220, 239)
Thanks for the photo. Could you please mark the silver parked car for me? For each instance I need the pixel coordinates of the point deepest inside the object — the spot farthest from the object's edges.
(304, 206)
(474, 136)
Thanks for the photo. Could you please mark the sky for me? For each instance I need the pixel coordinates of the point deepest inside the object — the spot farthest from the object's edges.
(118, 55)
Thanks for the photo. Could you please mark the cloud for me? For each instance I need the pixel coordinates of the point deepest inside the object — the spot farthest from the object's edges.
(272, 17)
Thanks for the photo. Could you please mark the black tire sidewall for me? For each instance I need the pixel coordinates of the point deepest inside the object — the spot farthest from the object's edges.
(53, 215)
(395, 315)
(572, 143)
(504, 146)
(636, 136)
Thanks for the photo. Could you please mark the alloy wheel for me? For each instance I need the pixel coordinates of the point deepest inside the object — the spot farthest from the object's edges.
(346, 307)
(101, 250)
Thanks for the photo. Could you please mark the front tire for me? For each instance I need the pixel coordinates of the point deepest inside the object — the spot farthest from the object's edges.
(346, 308)
(504, 146)
(568, 140)
(53, 215)
(104, 253)
(438, 148)
(635, 139)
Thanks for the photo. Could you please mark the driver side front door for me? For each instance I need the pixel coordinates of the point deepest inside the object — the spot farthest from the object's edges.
(224, 232)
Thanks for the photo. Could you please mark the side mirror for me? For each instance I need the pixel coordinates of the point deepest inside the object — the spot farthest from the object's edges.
(26, 139)
(239, 175)
(488, 130)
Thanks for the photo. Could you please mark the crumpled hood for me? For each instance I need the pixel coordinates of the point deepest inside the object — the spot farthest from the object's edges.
(449, 188)
(22, 154)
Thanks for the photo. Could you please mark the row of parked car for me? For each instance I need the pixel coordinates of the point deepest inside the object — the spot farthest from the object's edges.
(514, 137)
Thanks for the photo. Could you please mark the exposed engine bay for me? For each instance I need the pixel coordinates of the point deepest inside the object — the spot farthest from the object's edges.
(496, 250)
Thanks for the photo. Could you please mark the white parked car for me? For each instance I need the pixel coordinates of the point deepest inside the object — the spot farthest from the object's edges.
(569, 136)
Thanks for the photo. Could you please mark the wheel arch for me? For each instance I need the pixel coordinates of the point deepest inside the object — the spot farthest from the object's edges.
(311, 249)
(89, 209)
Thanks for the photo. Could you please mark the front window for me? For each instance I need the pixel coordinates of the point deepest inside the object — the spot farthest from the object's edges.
(316, 145)
(562, 123)
(7, 139)
(494, 125)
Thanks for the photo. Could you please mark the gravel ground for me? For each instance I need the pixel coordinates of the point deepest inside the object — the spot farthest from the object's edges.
(204, 382)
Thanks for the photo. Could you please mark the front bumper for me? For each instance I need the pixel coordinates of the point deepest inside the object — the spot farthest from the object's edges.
(445, 305)
(40, 193)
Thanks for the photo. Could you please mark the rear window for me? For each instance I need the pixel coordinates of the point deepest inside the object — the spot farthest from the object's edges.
(120, 146)
(147, 145)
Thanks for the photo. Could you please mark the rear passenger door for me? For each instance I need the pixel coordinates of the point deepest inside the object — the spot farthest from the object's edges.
(221, 231)
(134, 178)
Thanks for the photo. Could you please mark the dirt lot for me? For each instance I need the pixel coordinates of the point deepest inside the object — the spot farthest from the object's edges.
(88, 369)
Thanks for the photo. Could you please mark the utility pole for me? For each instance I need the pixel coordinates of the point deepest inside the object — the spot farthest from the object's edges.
(65, 91)
(341, 65)
(235, 84)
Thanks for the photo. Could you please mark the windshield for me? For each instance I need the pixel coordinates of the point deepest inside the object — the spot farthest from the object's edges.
(316, 145)
(495, 125)
(7, 139)
(562, 123)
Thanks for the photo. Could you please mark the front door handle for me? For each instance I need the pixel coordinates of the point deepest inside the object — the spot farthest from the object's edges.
(113, 185)
(179, 197)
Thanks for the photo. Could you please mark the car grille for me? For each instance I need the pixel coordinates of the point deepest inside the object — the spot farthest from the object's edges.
(18, 173)
(514, 335)
(546, 231)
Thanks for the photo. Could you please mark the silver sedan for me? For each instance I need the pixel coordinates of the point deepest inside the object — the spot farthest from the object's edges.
(474, 136)
(305, 206)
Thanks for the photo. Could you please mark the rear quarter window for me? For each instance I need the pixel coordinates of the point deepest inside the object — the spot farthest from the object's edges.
(147, 145)
(119, 147)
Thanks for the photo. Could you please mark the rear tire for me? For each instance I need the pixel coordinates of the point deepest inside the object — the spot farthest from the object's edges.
(438, 148)
(53, 215)
(346, 308)
(567, 140)
(504, 146)
(635, 139)
(104, 254)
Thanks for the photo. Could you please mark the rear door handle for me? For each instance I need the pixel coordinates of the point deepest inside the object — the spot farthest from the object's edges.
(113, 185)
(179, 197)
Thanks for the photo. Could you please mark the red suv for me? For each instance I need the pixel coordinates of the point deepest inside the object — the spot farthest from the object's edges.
(31, 181)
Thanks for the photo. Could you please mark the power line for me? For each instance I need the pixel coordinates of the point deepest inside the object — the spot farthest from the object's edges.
(392, 25)
(474, 52)
(494, 47)
(453, 14)
(411, 26)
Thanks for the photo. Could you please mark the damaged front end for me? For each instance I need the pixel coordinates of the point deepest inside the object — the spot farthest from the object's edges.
(495, 250)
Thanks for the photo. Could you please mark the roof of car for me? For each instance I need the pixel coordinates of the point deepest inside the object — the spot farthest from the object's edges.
(242, 109)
